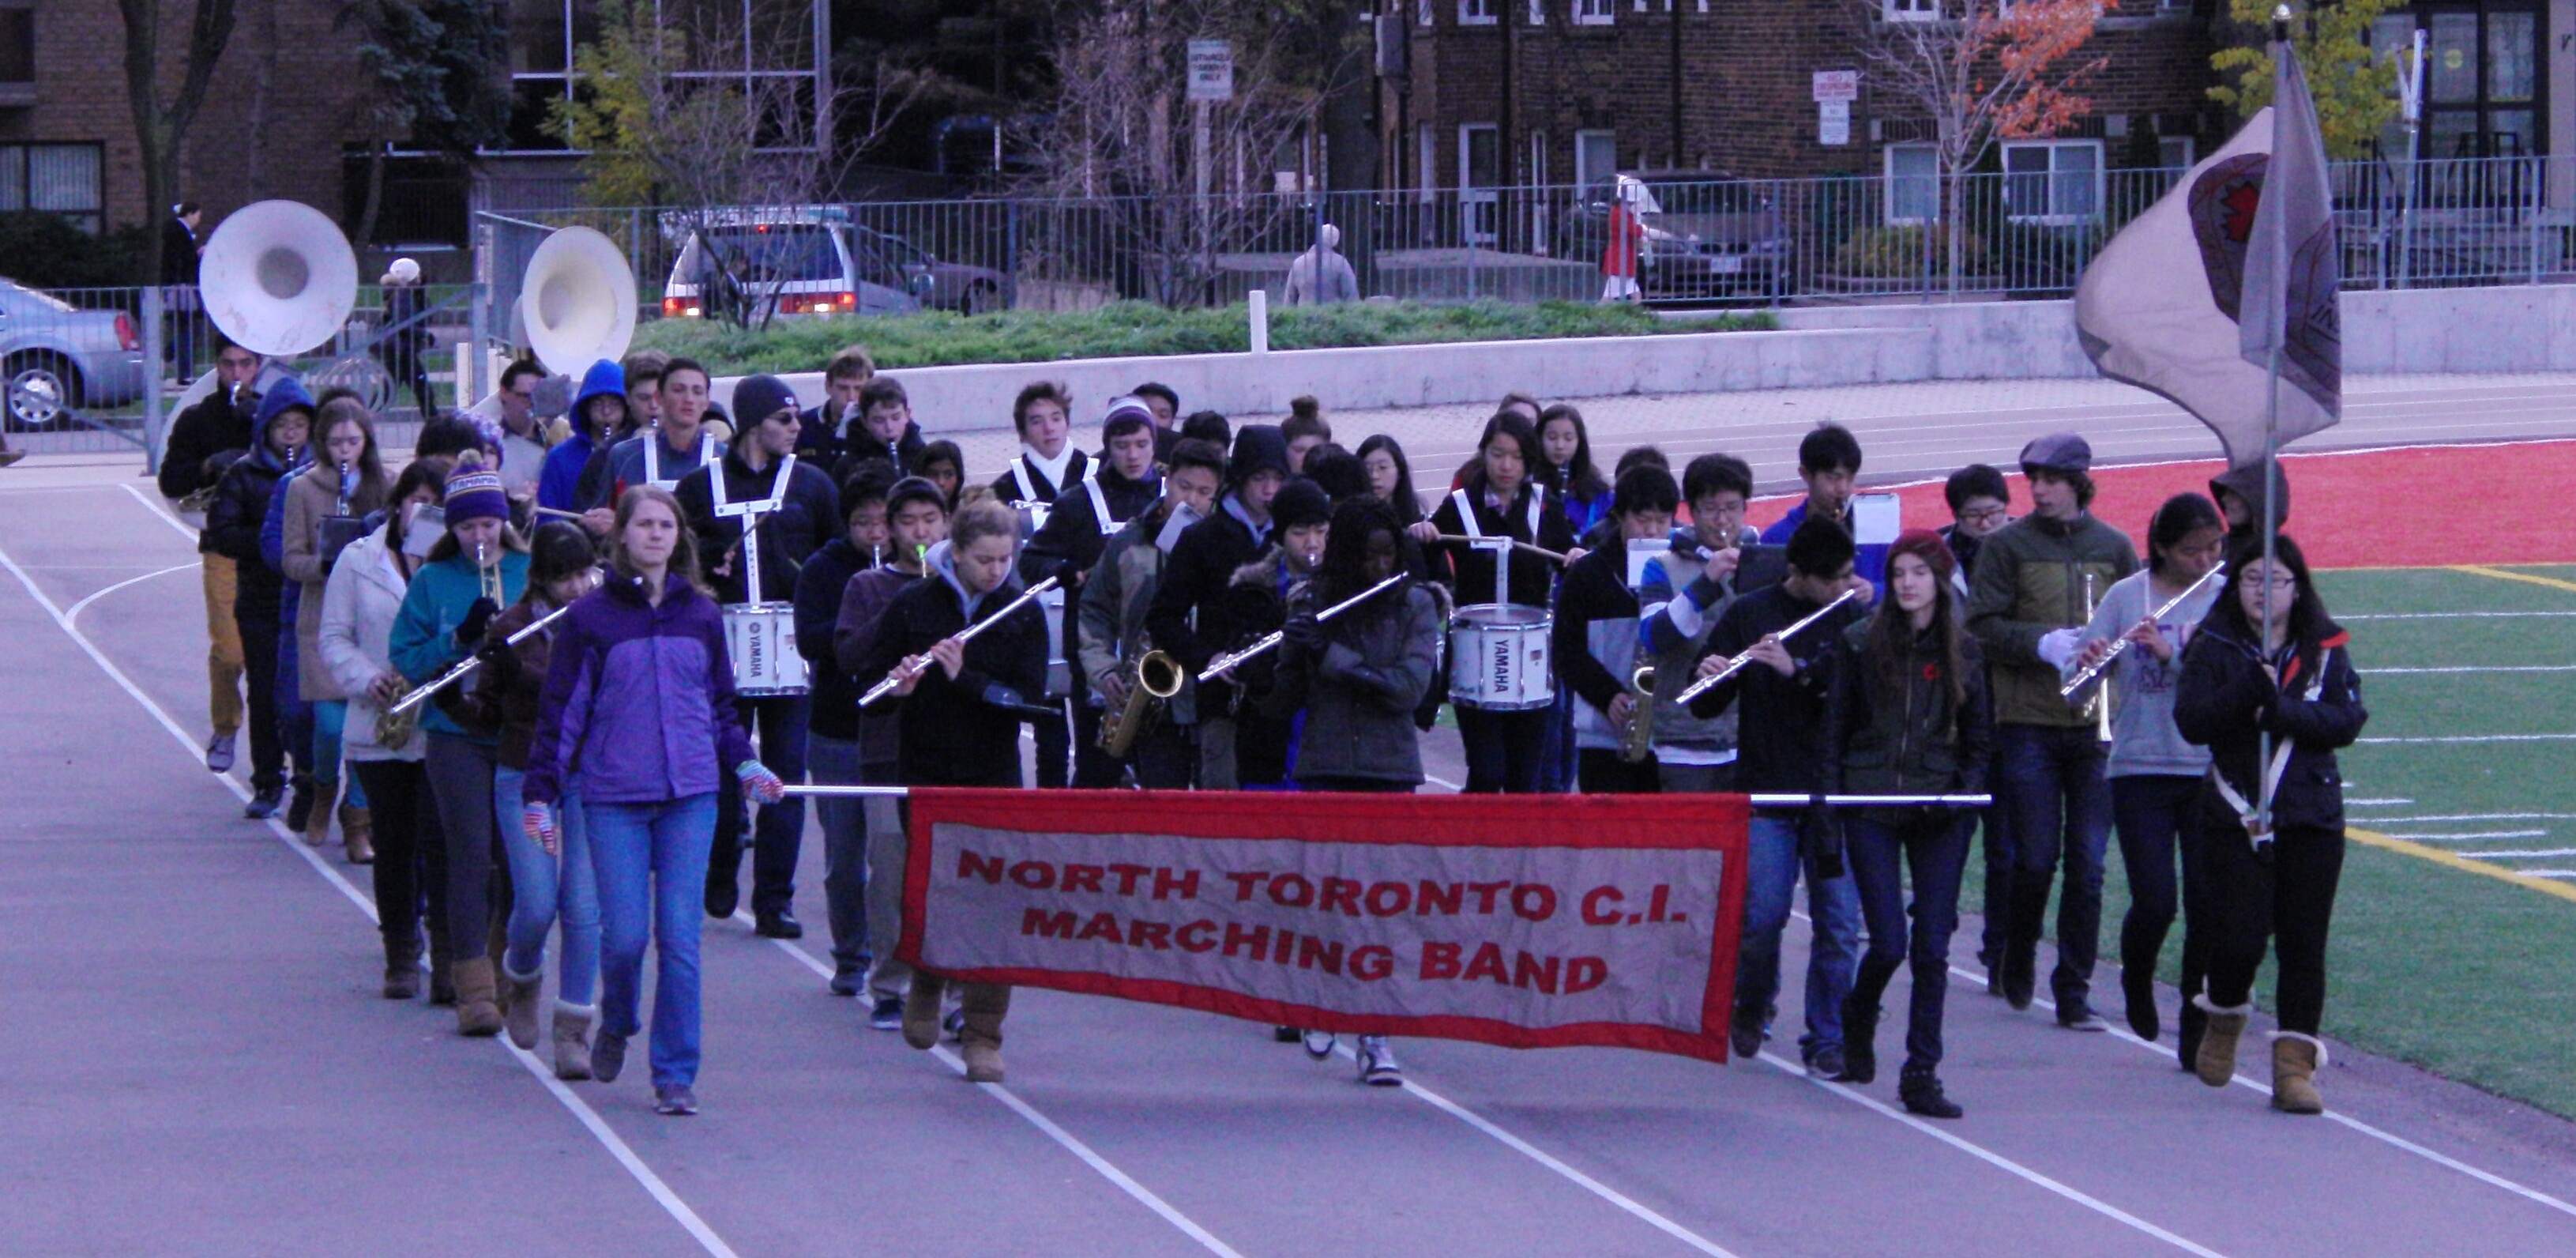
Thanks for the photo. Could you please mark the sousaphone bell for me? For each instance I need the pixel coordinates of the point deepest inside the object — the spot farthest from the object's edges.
(279, 278)
(577, 301)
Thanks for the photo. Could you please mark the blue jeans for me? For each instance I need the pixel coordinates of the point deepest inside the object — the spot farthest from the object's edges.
(780, 830)
(2051, 778)
(330, 716)
(1934, 847)
(1504, 749)
(1770, 876)
(651, 860)
(543, 887)
(835, 762)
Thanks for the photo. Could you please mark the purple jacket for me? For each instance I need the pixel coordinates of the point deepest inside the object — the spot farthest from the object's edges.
(638, 705)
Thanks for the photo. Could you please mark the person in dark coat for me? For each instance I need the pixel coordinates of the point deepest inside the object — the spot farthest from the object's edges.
(1596, 637)
(759, 466)
(1908, 715)
(1067, 547)
(832, 710)
(2274, 833)
(233, 522)
(204, 440)
(1189, 617)
(181, 251)
(881, 430)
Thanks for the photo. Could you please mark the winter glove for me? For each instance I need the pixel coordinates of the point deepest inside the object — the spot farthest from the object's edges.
(2058, 646)
(478, 620)
(537, 821)
(1821, 840)
(1303, 631)
(763, 784)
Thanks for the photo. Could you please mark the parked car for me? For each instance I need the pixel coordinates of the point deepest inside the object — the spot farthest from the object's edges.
(1708, 234)
(56, 357)
(790, 269)
(953, 285)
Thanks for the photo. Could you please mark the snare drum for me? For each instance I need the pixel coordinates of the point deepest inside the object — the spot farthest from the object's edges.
(1498, 658)
(761, 639)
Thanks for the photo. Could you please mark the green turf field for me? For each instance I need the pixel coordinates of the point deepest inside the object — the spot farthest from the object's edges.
(2473, 977)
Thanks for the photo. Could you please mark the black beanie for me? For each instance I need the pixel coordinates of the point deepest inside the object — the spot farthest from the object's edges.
(1257, 448)
(1300, 501)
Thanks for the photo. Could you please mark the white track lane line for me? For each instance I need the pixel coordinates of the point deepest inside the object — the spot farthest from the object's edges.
(74, 614)
(1108, 1170)
(2469, 668)
(1543, 1158)
(582, 1112)
(1997, 1160)
(162, 512)
(2454, 739)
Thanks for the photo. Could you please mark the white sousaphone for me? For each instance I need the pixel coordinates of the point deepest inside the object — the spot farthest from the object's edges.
(577, 301)
(279, 278)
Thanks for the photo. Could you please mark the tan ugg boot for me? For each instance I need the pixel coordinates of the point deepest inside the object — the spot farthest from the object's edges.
(358, 835)
(2295, 1059)
(519, 1004)
(921, 1010)
(572, 1041)
(478, 1009)
(986, 1005)
(2216, 1064)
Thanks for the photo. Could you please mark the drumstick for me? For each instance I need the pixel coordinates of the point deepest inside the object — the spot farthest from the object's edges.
(563, 515)
(1455, 540)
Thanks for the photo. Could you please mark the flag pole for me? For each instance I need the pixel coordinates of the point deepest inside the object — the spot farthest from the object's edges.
(2271, 479)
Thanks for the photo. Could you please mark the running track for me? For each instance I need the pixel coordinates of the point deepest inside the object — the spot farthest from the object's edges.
(199, 1064)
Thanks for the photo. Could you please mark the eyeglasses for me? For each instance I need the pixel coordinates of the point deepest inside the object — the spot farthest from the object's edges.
(1984, 515)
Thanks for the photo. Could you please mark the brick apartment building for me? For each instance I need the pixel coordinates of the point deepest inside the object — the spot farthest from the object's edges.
(1500, 93)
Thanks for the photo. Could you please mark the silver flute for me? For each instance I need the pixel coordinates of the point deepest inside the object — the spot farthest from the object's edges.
(1736, 664)
(1270, 641)
(963, 636)
(2084, 677)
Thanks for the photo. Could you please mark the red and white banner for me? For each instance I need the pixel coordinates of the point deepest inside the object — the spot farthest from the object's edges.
(1529, 921)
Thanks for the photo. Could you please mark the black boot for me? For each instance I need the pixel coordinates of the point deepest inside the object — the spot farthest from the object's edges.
(2187, 1034)
(1860, 1036)
(1920, 1090)
(2138, 988)
(2021, 948)
(299, 809)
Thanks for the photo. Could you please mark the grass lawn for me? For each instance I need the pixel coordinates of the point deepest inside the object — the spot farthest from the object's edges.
(2465, 975)
(1129, 329)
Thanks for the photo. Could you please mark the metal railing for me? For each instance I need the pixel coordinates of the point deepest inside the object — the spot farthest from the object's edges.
(2451, 222)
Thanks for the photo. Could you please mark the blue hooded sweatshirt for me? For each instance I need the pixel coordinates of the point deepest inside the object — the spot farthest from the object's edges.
(559, 478)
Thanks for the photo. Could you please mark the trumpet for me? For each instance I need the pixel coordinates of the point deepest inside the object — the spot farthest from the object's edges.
(1736, 664)
(1270, 641)
(1637, 737)
(2084, 676)
(963, 636)
(1155, 679)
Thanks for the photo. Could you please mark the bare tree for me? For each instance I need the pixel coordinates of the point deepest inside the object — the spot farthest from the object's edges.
(1980, 71)
(160, 128)
(1122, 132)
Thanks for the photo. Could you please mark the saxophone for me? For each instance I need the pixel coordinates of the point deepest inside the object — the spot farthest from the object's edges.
(1637, 736)
(1156, 678)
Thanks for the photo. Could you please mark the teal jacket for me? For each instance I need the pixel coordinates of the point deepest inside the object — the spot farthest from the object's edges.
(423, 644)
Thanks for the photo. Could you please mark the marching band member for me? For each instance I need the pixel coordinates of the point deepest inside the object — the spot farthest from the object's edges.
(1390, 477)
(1357, 680)
(1829, 466)
(1265, 746)
(826, 434)
(1305, 430)
(2270, 880)
(943, 465)
(885, 432)
(864, 887)
(1189, 617)
(1500, 500)
(510, 689)
(674, 447)
(1067, 547)
(1783, 697)
(2156, 775)
(638, 721)
(801, 513)
(1980, 503)
(1596, 638)
(360, 602)
(1047, 464)
(1908, 716)
(1687, 589)
(832, 711)
(204, 440)
(2238, 491)
(479, 566)
(1165, 404)
(233, 521)
(2026, 607)
(344, 485)
(599, 421)
(1567, 467)
(1113, 607)
(962, 710)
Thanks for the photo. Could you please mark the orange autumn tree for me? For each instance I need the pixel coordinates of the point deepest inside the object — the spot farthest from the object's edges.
(1981, 71)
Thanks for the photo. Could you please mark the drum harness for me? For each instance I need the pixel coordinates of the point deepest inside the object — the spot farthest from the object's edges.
(706, 458)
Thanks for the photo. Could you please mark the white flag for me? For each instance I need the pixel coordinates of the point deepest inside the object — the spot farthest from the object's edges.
(2159, 307)
(2291, 276)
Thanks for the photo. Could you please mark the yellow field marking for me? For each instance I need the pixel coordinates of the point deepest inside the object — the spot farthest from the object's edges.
(2454, 860)
(2505, 574)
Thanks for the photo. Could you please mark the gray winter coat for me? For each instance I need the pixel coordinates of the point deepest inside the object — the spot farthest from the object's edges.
(1359, 692)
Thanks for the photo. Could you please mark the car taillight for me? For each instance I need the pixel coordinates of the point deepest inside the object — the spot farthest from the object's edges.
(125, 336)
(819, 303)
(682, 308)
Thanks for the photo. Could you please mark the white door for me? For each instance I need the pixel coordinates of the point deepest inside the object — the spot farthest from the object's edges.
(1480, 172)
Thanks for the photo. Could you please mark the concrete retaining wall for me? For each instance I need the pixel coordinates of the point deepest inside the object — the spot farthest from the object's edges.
(2421, 331)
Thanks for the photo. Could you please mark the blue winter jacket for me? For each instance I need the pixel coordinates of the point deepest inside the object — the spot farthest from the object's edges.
(639, 705)
(423, 643)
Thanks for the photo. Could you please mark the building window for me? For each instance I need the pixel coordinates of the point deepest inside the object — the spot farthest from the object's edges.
(2056, 182)
(1476, 12)
(55, 178)
(1913, 183)
(17, 49)
(1594, 13)
(1596, 157)
(1911, 10)
(2176, 152)
(1422, 12)
(764, 50)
